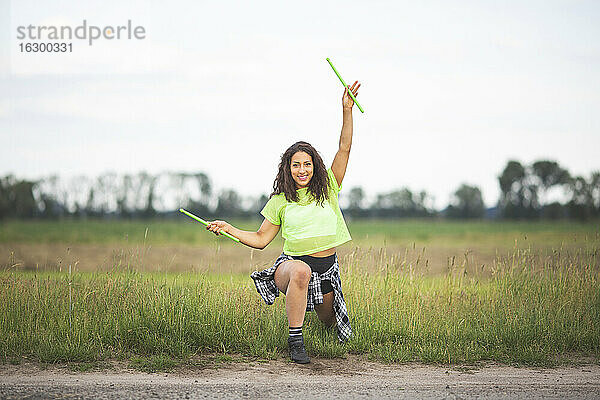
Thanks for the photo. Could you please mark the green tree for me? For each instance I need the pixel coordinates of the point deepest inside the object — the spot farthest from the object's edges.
(23, 201)
(518, 198)
(4, 197)
(123, 196)
(548, 174)
(585, 197)
(356, 198)
(581, 204)
(595, 190)
(402, 203)
(229, 204)
(148, 186)
(466, 202)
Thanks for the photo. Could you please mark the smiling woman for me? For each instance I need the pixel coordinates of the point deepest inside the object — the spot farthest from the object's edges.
(304, 203)
(302, 168)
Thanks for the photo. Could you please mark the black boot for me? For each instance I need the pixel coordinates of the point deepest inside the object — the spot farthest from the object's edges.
(297, 350)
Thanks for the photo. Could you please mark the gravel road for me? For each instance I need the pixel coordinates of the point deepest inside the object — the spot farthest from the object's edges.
(349, 378)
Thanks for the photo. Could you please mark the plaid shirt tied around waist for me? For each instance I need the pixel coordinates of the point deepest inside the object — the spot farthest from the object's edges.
(265, 285)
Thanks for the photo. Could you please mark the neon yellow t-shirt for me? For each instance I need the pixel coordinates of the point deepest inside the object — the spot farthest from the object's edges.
(307, 227)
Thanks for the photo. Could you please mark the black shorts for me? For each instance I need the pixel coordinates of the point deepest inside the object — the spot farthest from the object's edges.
(319, 265)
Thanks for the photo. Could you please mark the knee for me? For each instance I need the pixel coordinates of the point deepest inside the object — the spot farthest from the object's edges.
(300, 274)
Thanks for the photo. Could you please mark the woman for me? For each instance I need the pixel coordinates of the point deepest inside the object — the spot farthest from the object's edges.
(304, 203)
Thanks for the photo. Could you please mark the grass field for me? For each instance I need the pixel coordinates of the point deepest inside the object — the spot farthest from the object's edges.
(416, 291)
(374, 232)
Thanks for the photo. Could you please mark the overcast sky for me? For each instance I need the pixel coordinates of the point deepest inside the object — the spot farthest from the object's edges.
(451, 90)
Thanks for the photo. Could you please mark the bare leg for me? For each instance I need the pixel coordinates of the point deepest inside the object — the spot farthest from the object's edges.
(292, 278)
(325, 311)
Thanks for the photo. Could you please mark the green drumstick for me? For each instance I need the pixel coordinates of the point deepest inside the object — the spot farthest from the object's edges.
(346, 86)
(189, 214)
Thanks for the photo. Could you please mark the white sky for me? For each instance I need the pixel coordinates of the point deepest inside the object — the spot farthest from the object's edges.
(451, 90)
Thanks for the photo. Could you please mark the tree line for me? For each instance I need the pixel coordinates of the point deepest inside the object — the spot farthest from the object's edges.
(542, 190)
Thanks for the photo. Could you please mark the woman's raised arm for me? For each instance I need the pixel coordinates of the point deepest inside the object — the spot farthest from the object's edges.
(258, 240)
(340, 161)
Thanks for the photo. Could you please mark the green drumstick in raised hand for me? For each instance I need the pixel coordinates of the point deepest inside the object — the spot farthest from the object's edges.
(346, 86)
(189, 214)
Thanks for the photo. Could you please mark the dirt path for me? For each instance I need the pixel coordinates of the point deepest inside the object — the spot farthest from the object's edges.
(349, 378)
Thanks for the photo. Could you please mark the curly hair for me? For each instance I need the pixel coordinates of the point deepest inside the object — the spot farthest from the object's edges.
(319, 183)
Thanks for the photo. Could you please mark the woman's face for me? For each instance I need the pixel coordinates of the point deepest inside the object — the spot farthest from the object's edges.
(302, 169)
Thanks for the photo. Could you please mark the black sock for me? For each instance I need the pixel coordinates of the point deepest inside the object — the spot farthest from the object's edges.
(295, 332)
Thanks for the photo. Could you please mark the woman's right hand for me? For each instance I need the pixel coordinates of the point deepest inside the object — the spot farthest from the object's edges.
(217, 227)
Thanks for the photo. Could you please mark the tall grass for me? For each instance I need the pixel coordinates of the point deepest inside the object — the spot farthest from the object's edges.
(523, 311)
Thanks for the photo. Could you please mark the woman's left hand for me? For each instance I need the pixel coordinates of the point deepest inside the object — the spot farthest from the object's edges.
(347, 101)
